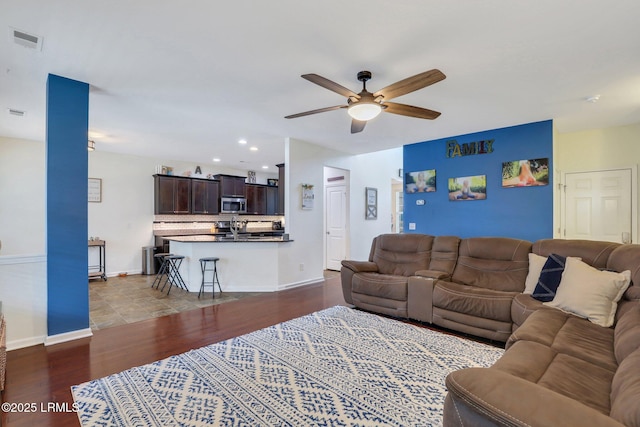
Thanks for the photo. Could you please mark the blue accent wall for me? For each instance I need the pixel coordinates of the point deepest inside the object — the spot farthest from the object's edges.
(523, 212)
(66, 188)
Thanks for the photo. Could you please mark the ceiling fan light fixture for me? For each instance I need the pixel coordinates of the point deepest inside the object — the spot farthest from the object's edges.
(364, 111)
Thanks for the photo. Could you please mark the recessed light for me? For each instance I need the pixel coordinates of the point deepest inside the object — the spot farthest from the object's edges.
(242, 141)
(216, 159)
(253, 148)
(593, 98)
(265, 167)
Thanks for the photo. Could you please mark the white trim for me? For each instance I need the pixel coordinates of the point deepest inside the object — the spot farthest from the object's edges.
(22, 259)
(634, 197)
(298, 284)
(25, 342)
(67, 336)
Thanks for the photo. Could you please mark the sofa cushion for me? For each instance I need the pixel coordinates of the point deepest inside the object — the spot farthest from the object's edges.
(474, 301)
(444, 254)
(550, 277)
(590, 293)
(625, 390)
(627, 334)
(402, 254)
(594, 253)
(380, 285)
(522, 307)
(536, 262)
(497, 263)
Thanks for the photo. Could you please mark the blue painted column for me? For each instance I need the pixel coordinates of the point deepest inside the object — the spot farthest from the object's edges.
(67, 172)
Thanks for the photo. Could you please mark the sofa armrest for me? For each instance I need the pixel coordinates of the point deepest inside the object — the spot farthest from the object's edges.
(360, 266)
(434, 274)
(349, 268)
(488, 397)
(420, 298)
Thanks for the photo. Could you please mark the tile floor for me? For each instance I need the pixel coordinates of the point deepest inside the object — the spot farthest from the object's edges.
(130, 299)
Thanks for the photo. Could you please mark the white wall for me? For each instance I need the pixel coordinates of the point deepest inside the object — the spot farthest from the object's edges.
(598, 149)
(305, 164)
(22, 201)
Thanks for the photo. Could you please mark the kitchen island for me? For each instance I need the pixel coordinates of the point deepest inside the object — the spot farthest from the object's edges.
(247, 264)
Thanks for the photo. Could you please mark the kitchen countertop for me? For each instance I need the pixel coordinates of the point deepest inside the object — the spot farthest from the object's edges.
(224, 239)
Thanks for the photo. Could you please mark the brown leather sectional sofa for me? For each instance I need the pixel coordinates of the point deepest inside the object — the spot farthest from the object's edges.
(558, 368)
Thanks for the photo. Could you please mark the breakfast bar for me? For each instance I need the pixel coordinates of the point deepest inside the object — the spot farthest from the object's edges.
(247, 263)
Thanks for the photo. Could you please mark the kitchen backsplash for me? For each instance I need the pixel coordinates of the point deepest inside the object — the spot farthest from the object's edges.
(205, 223)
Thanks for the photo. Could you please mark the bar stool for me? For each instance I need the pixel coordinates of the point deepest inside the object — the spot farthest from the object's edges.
(204, 262)
(173, 273)
(163, 270)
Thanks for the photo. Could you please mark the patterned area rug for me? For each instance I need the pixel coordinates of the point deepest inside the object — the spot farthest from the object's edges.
(336, 367)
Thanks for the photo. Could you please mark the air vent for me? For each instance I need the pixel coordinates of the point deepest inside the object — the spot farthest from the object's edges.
(14, 112)
(24, 39)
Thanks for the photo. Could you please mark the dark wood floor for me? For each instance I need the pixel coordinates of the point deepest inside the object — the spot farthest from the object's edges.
(38, 375)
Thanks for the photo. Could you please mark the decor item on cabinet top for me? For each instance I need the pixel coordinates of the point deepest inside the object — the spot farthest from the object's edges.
(251, 177)
(421, 181)
(468, 188)
(307, 196)
(525, 173)
(164, 170)
(272, 182)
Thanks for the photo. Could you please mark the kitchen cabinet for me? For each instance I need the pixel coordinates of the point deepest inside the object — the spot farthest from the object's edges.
(256, 199)
(272, 201)
(231, 186)
(172, 195)
(205, 195)
(280, 209)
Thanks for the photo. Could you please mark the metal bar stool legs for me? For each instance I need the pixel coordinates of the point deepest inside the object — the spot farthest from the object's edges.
(163, 270)
(173, 276)
(214, 278)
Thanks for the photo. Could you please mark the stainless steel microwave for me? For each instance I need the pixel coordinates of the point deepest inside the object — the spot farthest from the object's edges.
(233, 205)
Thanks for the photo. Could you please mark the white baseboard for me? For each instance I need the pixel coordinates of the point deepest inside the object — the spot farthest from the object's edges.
(25, 342)
(67, 336)
(297, 284)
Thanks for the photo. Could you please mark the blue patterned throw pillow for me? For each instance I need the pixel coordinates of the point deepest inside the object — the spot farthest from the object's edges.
(549, 278)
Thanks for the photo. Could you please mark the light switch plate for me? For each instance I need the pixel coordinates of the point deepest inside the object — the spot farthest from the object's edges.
(412, 226)
(420, 202)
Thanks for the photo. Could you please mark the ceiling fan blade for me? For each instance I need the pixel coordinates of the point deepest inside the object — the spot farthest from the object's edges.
(410, 110)
(328, 84)
(411, 84)
(357, 125)
(319, 110)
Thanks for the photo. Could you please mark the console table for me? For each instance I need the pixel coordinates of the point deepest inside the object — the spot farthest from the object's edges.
(97, 271)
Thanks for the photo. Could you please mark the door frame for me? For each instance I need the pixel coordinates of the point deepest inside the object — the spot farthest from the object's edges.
(562, 187)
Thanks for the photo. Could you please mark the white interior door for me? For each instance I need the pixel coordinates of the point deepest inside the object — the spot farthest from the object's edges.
(336, 211)
(598, 205)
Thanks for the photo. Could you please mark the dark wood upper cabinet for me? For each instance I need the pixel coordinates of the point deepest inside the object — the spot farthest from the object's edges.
(256, 199)
(205, 196)
(280, 209)
(172, 195)
(231, 186)
(272, 201)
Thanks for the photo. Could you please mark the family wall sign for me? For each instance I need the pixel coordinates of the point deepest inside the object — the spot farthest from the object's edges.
(469, 148)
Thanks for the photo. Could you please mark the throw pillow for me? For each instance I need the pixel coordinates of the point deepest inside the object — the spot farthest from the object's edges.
(549, 279)
(536, 262)
(588, 292)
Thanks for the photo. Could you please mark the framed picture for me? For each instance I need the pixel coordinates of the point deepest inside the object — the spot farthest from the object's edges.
(525, 173)
(95, 190)
(466, 188)
(420, 181)
(371, 201)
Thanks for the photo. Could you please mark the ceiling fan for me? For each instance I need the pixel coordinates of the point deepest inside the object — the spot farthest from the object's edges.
(365, 105)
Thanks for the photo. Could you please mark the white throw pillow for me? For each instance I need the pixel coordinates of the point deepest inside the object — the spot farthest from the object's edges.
(591, 293)
(536, 262)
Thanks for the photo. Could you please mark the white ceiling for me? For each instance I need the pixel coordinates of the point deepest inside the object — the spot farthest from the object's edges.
(186, 80)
